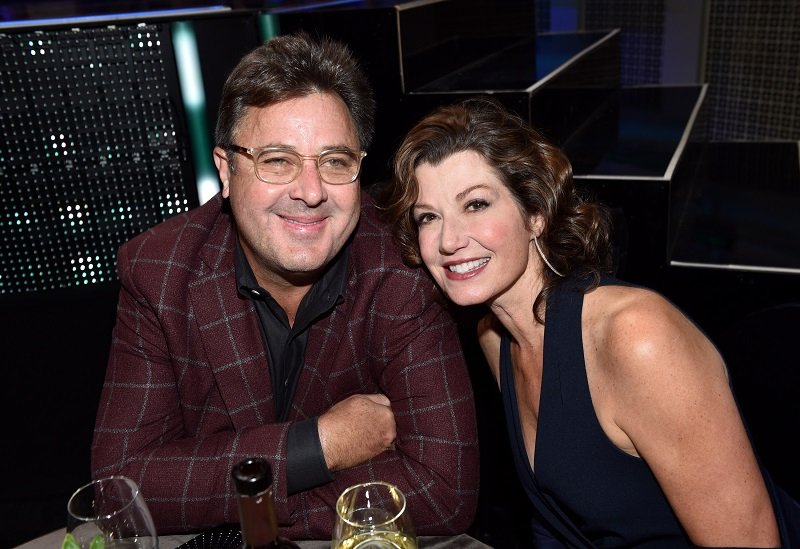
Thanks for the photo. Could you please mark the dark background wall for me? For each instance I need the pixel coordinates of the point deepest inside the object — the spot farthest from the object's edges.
(748, 51)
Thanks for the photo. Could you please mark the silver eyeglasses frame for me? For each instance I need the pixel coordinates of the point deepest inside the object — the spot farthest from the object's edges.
(254, 152)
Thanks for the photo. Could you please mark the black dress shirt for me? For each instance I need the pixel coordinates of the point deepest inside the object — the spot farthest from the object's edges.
(286, 346)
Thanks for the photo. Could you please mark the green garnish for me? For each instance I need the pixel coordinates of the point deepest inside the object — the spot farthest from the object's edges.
(70, 543)
(97, 542)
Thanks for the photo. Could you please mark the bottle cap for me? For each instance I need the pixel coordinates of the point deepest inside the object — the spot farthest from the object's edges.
(252, 476)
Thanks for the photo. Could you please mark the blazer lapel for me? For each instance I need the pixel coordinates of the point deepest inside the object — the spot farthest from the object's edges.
(229, 331)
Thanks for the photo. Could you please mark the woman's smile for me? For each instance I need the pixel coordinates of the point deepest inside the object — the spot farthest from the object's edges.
(467, 268)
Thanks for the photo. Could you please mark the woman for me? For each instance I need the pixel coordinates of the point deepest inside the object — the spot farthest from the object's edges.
(623, 425)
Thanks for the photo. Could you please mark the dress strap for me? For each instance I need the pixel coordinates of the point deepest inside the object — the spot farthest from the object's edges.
(558, 523)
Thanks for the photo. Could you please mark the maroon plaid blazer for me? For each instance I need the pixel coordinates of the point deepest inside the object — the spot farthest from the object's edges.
(188, 394)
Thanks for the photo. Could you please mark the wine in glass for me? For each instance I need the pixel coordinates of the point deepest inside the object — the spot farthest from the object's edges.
(109, 513)
(373, 515)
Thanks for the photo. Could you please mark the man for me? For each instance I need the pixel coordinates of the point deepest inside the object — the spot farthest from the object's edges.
(279, 320)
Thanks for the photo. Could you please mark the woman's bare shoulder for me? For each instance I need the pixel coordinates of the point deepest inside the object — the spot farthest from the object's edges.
(666, 397)
(637, 333)
(646, 344)
(628, 316)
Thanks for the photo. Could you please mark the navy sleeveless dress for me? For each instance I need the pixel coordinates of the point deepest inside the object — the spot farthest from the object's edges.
(587, 491)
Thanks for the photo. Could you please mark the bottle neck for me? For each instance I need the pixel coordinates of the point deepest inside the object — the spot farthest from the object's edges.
(258, 522)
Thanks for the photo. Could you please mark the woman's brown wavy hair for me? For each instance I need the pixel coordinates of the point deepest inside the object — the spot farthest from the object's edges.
(576, 234)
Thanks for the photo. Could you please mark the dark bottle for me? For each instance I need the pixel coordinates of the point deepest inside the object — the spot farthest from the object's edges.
(252, 480)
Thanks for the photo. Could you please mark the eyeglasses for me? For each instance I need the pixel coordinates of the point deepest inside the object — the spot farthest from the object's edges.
(280, 166)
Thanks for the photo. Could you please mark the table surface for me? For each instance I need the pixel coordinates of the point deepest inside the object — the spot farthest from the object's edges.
(53, 541)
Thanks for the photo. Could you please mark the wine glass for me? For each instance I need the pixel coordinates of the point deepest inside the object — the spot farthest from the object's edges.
(373, 515)
(109, 513)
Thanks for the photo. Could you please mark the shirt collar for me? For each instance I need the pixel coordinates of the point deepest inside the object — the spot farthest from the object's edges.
(323, 295)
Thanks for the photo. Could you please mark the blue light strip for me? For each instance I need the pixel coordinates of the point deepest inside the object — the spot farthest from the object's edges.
(268, 26)
(194, 102)
(114, 17)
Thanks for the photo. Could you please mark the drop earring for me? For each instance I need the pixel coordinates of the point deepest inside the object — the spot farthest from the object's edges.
(541, 254)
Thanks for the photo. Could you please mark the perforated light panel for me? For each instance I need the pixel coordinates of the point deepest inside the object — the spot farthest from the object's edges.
(642, 26)
(753, 69)
(91, 153)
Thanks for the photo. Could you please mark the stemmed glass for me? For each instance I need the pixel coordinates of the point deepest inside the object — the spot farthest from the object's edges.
(373, 515)
(109, 513)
